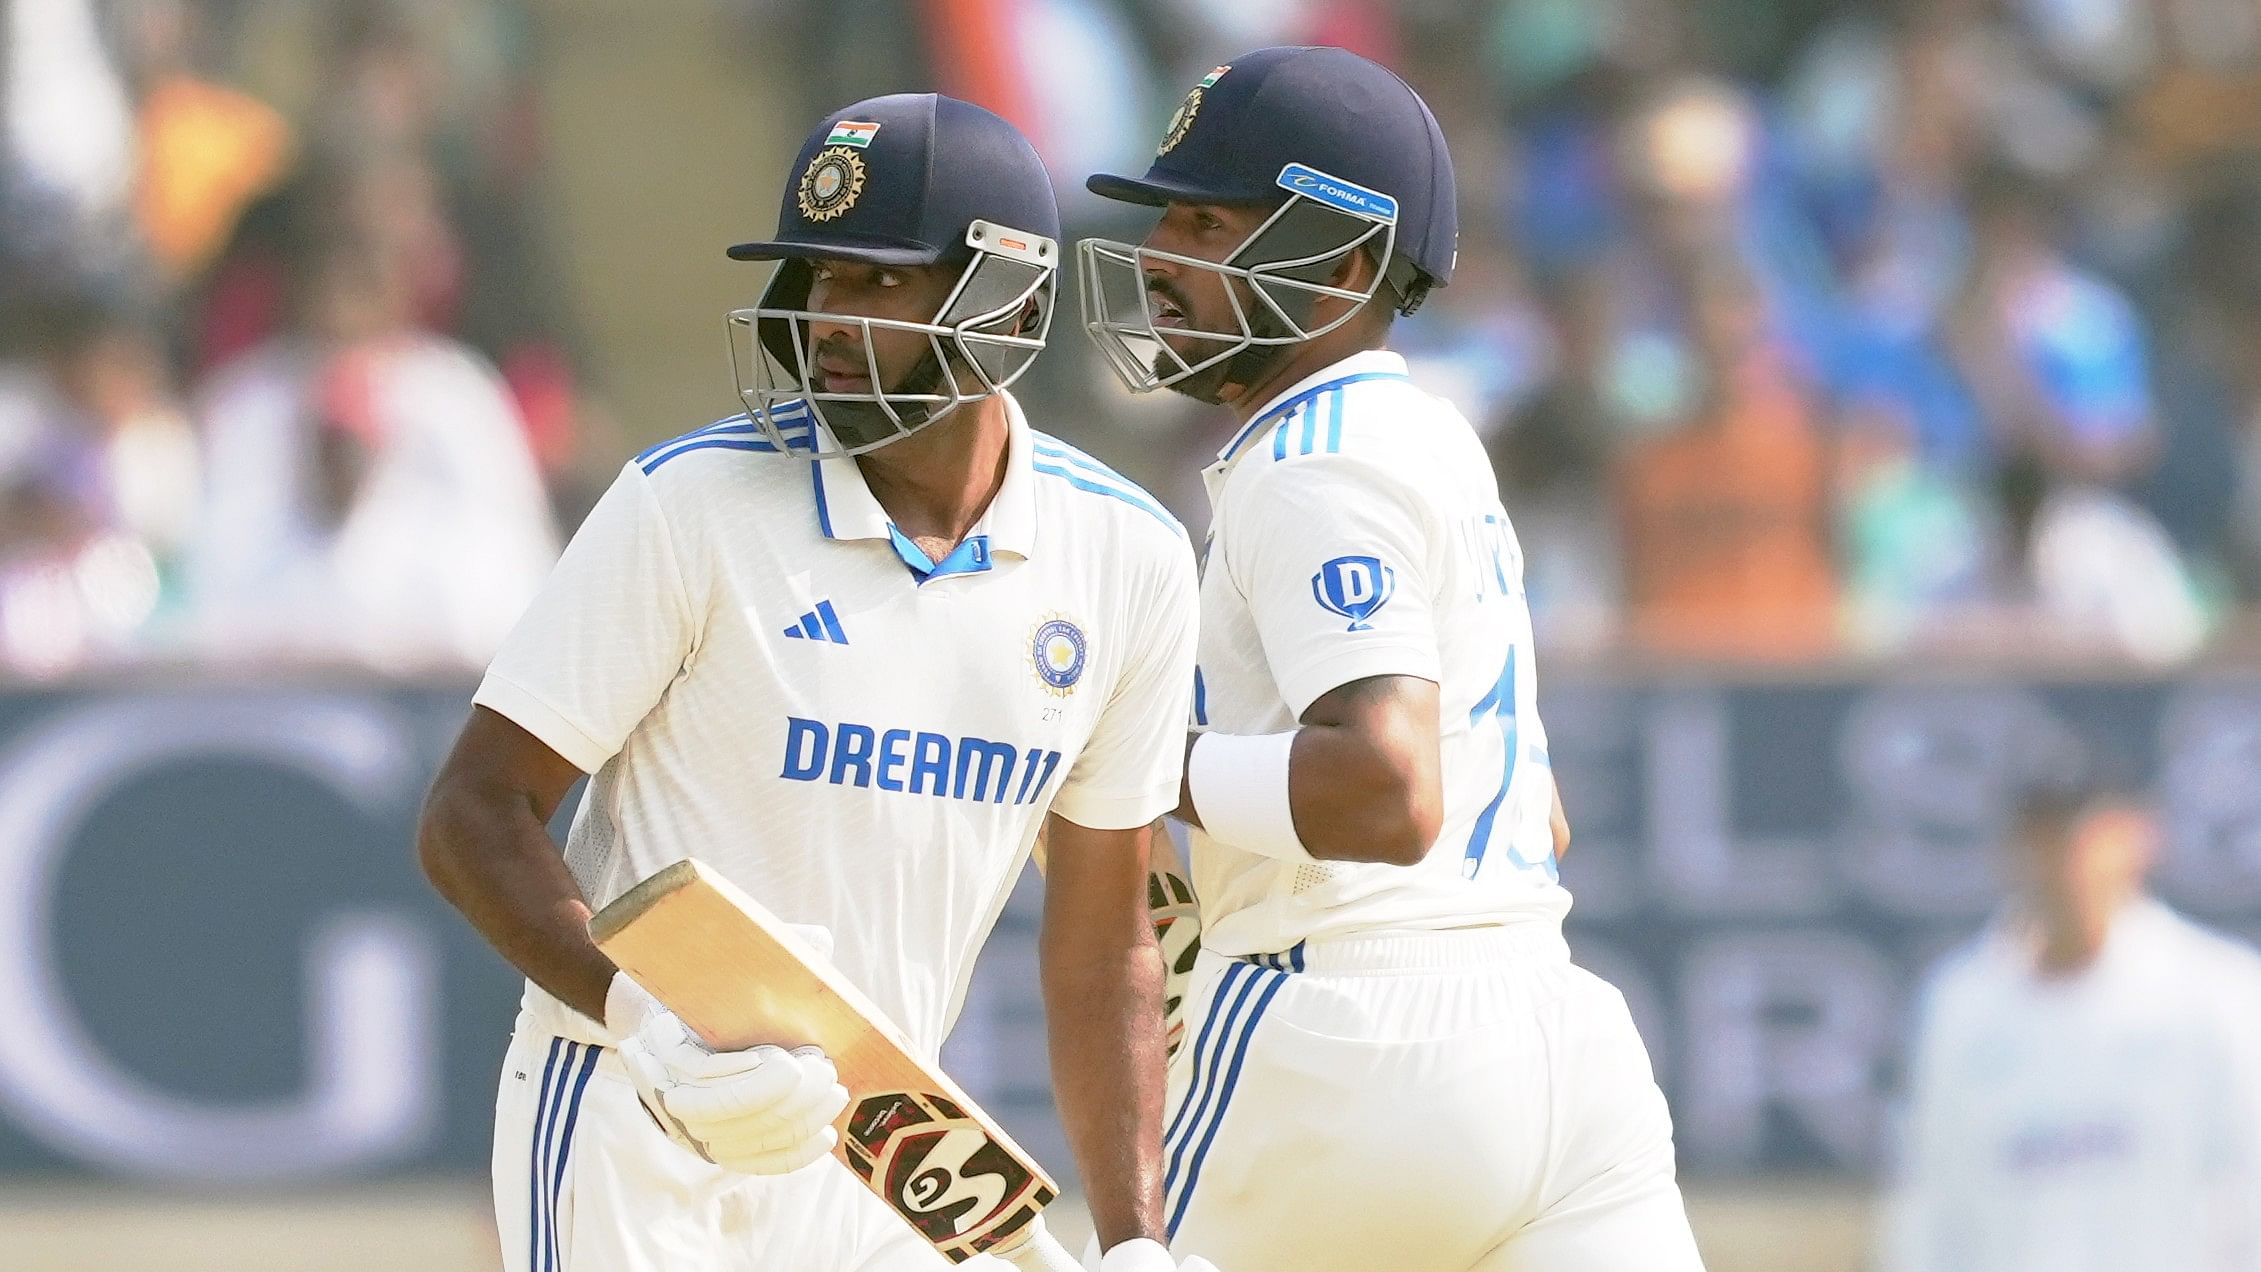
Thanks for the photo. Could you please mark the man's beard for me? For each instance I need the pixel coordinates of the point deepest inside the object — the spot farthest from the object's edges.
(859, 423)
(1247, 367)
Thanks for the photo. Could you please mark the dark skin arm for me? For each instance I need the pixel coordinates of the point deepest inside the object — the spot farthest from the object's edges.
(1364, 779)
(1102, 977)
(484, 842)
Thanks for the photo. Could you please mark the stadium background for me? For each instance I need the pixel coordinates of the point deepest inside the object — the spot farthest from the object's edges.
(1872, 385)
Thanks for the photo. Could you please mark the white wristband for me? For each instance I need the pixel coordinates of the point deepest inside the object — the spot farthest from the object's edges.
(1239, 784)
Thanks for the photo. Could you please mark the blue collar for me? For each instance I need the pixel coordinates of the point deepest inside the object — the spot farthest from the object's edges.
(846, 509)
(1370, 364)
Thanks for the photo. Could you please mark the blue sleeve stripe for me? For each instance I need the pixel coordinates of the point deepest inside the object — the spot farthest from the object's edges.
(1200, 699)
(1311, 426)
(1257, 425)
(793, 421)
(1132, 496)
(1334, 422)
(713, 443)
(1280, 433)
(1057, 449)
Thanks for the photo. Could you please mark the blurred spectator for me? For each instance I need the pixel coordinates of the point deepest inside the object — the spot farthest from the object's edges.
(68, 135)
(2085, 1089)
(2054, 357)
(372, 500)
(97, 488)
(1554, 452)
(206, 150)
(1912, 538)
(1725, 518)
(2088, 568)
(438, 145)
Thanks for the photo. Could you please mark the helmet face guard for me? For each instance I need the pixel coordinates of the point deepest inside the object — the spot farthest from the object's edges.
(973, 331)
(1285, 264)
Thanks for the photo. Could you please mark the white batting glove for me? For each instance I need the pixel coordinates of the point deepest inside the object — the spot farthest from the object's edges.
(1148, 1255)
(761, 1111)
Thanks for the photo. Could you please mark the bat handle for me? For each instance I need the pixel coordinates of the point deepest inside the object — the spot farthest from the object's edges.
(1035, 1249)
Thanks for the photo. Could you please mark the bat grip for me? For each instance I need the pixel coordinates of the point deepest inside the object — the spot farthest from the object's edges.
(1039, 1251)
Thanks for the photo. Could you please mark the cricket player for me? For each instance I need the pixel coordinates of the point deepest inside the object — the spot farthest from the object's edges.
(851, 649)
(2085, 1091)
(1393, 1063)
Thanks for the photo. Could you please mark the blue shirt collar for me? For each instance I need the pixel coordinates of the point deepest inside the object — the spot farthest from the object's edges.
(846, 508)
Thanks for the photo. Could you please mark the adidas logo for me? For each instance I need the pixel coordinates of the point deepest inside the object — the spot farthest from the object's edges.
(820, 623)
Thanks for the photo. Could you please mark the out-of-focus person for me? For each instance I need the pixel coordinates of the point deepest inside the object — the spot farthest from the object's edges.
(2086, 570)
(2054, 357)
(1725, 518)
(206, 149)
(2085, 1089)
(372, 500)
(1553, 455)
(98, 483)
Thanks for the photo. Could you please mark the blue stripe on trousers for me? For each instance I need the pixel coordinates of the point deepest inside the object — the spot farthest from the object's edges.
(1224, 1100)
(1205, 1080)
(1200, 1049)
(534, 1162)
(565, 1144)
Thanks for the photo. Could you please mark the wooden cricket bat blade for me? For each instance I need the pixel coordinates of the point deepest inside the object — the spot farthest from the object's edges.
(740, 977)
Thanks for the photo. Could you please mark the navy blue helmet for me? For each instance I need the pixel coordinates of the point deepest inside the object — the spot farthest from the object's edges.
(908, 179)
(1349, 158)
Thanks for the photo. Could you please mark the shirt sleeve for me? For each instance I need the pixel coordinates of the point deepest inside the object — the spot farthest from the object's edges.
(604, 637)
(1128, 772)
(1334, 557)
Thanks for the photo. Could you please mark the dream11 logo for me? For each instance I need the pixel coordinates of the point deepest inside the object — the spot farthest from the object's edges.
(1354, 587)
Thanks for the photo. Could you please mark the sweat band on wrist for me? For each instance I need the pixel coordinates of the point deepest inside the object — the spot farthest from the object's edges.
(1239, 784)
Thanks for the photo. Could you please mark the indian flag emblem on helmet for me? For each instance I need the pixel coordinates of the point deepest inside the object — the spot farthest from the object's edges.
(831, 185)
(1058, 650)
(1181, 122)
(849, 132)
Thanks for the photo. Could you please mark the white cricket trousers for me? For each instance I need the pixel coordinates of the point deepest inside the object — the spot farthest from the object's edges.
(1419, 1102)
(584, 1182)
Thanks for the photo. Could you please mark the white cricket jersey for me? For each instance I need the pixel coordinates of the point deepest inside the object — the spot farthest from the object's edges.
(762, 673)
(2106, 1120)
(1357, 531)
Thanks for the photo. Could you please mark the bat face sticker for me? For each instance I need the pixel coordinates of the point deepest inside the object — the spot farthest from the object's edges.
(942, 1172)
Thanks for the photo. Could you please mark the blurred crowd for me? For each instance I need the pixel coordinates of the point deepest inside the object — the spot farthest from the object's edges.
(280, 382)
(1839, 329)
(1799, 329)
(1864, 329)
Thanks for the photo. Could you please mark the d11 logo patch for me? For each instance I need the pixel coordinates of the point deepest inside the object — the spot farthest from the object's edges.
(1354, 587)
(939, 1169)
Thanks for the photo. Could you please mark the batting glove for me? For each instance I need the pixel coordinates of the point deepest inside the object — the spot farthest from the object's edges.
(1148, 1255)
(761, 1111)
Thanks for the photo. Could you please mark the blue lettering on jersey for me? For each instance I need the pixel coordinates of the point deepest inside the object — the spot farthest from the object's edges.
(848, 754)
(1354, 587)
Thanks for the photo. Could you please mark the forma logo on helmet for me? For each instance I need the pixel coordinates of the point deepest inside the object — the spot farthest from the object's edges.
(1297, 186)
(918, 250)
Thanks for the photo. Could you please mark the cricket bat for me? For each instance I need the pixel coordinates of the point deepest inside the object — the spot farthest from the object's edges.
(739, 977)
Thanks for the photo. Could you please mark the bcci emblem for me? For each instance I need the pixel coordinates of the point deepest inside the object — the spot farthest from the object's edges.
(1058, 650)
(832, 184)
(1353, 587)
(1181, 122)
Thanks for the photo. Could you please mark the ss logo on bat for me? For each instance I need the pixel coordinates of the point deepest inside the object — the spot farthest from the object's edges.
(945, 1175)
